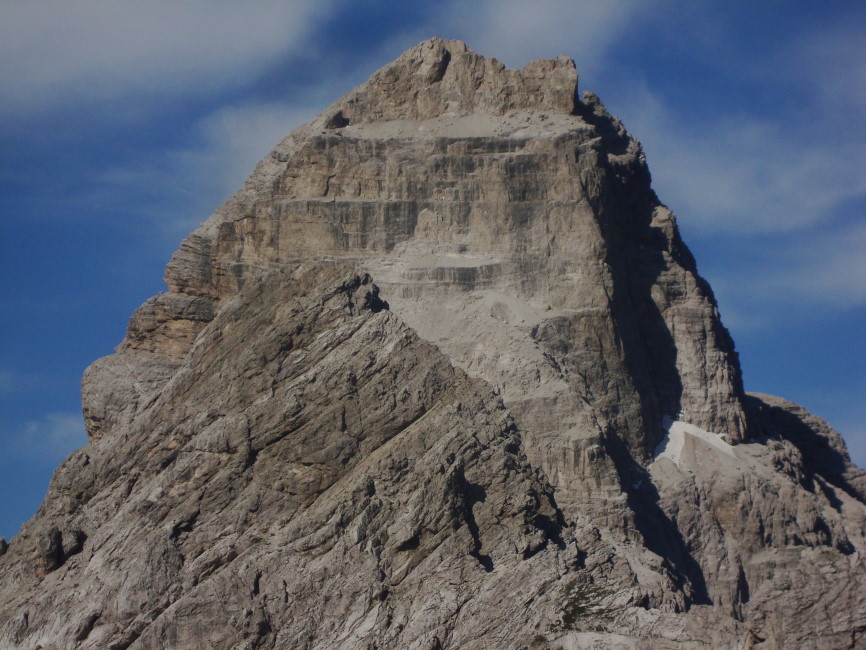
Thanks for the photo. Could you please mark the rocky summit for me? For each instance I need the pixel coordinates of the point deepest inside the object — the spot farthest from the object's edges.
(442, 374)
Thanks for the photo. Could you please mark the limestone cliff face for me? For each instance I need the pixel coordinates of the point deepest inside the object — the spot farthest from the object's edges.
(536, 436)
(484, 200)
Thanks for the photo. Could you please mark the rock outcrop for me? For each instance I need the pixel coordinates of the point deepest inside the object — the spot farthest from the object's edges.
(530, 432)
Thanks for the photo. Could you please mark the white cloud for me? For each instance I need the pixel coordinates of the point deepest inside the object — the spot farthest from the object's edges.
(800, 275)
(780, 174)
(179, 188)
(789, 192)
(516, 32)
(825, 268)
(235, 138)
(12, 381)
(829, 68)
(51, 438)
(55, 52)
(744, 174)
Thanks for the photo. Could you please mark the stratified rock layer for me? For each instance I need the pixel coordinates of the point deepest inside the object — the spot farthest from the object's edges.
(536, 437)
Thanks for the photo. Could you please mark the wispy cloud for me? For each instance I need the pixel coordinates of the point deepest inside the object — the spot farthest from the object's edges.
(517, 32)
(234, 138)
(56, 52)
(825, 268)
(792, 208)
(745, 174)
(828, 64)
(176, 190)
(776, 176)
(12, 381)
(48, 439)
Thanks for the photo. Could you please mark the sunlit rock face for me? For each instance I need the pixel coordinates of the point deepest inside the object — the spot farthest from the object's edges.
(444, 374)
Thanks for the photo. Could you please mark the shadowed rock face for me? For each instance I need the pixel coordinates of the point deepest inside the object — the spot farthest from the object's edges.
(530, 432)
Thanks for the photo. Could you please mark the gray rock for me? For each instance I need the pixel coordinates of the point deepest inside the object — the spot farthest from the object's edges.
(534, 436)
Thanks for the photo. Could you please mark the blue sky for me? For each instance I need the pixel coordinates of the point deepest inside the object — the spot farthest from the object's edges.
(123, 125)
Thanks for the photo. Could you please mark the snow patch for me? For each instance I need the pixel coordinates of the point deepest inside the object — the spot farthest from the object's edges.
(683, 441)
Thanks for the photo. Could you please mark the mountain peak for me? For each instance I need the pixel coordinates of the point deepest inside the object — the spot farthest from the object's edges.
(445, 77)
(531, 431)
